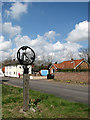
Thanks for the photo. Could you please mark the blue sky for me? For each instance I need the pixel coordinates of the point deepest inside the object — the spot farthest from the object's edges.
(42, 17)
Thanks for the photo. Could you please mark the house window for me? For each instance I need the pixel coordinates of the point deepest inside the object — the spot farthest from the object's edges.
(14, 72)
(9, 73)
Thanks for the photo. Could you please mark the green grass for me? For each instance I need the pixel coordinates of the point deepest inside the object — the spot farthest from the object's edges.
(49, 106)
(0, 101)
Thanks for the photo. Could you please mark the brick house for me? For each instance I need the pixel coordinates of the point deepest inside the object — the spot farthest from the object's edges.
(72, 64)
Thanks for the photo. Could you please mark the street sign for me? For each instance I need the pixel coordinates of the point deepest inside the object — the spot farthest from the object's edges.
(25, 56)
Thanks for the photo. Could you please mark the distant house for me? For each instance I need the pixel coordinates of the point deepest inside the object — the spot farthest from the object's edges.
(72, 64)
(1, 73)
(14, 69)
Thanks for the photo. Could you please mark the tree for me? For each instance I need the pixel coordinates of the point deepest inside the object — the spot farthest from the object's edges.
(43, 63)
(84, 54)
(8, 60)
(69, 55)
(56, 62)
(49, 65)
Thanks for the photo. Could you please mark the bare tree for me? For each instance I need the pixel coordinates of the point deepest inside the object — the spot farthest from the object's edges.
(84, 54)
(7, 60)
(69, 55)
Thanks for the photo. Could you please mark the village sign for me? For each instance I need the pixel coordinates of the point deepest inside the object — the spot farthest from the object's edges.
(25, 56)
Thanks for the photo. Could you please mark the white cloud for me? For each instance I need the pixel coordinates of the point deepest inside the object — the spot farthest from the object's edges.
(45, 0)
(21, 41)
(4, 45)
(80, 33)
(4, 55)
(0, 22)
(11, 30)
(0, 17)
(1, 39)
(58, 46)
(51, 35)
(42, 47)
(57, 51)
(16, 10)
(5, 48)
(71, 50)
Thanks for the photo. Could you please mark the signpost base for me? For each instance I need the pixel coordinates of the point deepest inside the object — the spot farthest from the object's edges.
(25, 92)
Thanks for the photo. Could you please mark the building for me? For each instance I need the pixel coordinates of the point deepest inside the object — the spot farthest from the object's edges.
(1, 73)
(72, 64)
(14, 69)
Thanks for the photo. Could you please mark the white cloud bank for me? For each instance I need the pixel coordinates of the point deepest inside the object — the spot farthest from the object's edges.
(43, 47)
(45, 1)
(80, 33)
(11, 30)
(16, 10)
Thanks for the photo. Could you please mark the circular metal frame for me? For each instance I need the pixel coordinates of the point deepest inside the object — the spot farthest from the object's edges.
(30, 61)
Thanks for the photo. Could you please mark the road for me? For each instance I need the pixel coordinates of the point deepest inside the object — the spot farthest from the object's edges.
(71, 92)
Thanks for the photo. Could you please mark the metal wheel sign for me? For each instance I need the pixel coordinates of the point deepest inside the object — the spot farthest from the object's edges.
(26, 55)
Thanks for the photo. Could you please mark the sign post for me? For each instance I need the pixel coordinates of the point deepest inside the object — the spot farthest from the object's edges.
(25, 56)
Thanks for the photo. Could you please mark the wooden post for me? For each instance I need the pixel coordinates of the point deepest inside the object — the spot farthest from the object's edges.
(25, 92)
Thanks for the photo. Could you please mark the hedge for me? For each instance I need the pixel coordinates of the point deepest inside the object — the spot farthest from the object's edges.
(73, 70)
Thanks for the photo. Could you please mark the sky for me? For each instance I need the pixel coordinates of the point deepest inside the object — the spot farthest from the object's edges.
(55, 30)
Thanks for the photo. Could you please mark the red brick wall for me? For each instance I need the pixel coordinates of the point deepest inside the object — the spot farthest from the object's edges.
(73, 76)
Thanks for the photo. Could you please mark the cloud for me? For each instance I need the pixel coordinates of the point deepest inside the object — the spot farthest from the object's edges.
(4, 45)
(51, 35)
(5, 48)
(44, 0)
(0, 22)
(11, 30)
(58, 46)
(42, 47)
(80, 33)
(16, 10)
(0, 17)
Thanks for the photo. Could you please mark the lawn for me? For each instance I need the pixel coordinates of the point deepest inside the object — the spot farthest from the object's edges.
(0, 101)
(49, 106)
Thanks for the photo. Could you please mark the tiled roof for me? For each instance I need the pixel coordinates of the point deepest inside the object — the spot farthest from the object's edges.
(68, 64)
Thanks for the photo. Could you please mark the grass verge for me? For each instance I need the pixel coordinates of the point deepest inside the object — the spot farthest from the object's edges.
(49, 106)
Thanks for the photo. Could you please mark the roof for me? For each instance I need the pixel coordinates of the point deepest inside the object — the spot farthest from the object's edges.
(72, 64)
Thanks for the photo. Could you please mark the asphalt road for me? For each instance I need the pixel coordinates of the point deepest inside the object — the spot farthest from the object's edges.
(71, 92)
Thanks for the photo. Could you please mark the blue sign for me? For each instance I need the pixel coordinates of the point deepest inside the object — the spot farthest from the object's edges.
(44, 72)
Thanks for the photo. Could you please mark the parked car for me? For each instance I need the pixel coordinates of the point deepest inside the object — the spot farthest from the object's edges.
(50, 76)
